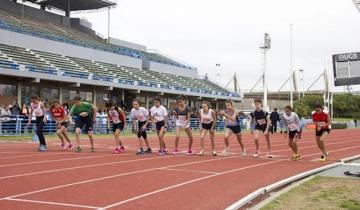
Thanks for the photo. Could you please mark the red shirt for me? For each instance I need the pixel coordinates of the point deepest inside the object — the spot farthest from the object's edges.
(58, 113)
(320, 119)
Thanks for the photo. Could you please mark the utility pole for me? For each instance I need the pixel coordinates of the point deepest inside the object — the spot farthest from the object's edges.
(265, 48)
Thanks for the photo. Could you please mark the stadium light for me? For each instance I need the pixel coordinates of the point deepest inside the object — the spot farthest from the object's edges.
(265, 48)
(357, 4)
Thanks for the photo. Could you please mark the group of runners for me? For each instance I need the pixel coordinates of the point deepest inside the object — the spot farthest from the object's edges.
(82, 114)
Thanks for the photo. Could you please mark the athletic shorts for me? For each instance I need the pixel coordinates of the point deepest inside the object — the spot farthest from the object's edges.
(293, 133)
(207, 126)
(181, 124)
(141, 133)
(260, 128)
(236, 129)
(87, 121)
(116, 126)
(64, 124)
(320, 132)
(159, 125)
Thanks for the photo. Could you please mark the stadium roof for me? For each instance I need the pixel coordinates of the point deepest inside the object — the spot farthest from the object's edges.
(75, 5)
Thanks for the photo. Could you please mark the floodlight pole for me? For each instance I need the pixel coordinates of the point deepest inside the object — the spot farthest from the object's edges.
(69, 15)
(108, 40)
(265, 48)
(291, 65)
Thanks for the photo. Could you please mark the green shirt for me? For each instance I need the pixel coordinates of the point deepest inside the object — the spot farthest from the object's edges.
(82, 107)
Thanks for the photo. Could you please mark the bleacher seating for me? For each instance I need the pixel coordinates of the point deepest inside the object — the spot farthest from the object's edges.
(40, 28)
(44, 62)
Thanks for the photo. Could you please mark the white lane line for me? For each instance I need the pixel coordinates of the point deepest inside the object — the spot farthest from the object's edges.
(112, 176)
(192, 171)
(185, 183)
(52, 203)
(143, 159)
(57, 160)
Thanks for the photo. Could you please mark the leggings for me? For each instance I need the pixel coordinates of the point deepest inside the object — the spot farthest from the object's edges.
(39, 129)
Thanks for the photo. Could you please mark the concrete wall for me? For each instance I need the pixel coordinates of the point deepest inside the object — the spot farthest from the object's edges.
(33, 12)
(154, 66)
(127, 44)
(31, 42)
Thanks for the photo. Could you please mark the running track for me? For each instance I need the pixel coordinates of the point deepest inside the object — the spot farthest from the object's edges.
(101, 180)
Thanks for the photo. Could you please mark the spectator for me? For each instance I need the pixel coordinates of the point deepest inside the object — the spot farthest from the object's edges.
(355, 122)
(274, 117)
(5, 114)
(24, 111)
(66, 108)
(15, 109)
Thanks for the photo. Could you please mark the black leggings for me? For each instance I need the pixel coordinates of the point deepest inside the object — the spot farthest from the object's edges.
(273, 126)
(39, 129)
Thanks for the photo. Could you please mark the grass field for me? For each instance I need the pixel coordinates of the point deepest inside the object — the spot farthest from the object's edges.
(320, 193)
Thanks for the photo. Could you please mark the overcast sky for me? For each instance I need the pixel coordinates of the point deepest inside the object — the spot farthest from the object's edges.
(205, 32)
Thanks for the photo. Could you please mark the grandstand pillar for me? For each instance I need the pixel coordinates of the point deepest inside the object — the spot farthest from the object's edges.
(147, 101)
(94, 97)
(60, 95)
(123, 94)
(19, 93)
(217, 105)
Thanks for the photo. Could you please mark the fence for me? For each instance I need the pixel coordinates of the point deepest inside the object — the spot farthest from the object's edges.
(18, 125)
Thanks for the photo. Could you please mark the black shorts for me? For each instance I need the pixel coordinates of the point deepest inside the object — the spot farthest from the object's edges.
(64, 124)
(260, 128)
(87, 121)
(236, 129)
(116, 126)
(293, 133)
(141, 133)
(207, 126)
(320, 132)
(159, 125)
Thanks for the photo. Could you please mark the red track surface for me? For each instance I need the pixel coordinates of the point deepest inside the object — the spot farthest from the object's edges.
(67, 180)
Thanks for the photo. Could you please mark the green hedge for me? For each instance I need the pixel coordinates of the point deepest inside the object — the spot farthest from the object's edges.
(338, 126)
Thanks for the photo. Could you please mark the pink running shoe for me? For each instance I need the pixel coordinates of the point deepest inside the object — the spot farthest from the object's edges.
(189, 152)
(175, 152)
(121, 149)
(64, 146)
(70, 146)
(116, 150)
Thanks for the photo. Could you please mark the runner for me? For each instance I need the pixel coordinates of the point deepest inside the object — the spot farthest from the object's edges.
(159, 120)
(207, 124)
(141, 116)
(39, 110)
(322, 125)
(292, 122)
(116, 117)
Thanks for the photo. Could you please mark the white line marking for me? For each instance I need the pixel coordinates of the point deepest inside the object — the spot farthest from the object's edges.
(109, 177)
(193, 171)
(185, 183)
(52, 203)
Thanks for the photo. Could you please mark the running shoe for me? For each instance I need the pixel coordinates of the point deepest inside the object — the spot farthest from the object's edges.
(70, 146)
(78, 149)
(298, 157)
(162, 152)
(92, 149)
(269, 155)
(175, 152)
(243, 153)
(122, 149)
(214, 153)
(190, 152)
(225, 152)
(64, 146)
(256, 155)
(201, 153)
(148, 151)
(42, 148)
(116, 150)
(323, 157)
(293, 157)
(140, 152)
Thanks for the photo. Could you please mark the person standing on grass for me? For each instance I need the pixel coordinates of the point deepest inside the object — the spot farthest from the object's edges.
(117, 117)
(39, 110)
(141, 116)
(260, 120)
(322, 125)
(292, 122)
(232, 127)
(207, 119)
(159, 120)
(85, 115)
(183, 115)
(274, 117)
(62, 122)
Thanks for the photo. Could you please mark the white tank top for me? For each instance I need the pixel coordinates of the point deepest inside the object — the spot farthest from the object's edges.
(114, 116)
(206, 117)
(37, 110)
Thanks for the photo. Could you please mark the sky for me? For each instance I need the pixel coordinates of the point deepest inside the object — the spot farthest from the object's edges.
(229, 32)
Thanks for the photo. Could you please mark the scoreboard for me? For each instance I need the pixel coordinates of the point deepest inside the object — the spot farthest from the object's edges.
(346, 69)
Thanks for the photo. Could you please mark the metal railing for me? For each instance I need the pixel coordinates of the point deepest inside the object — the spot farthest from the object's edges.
(18, 125)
